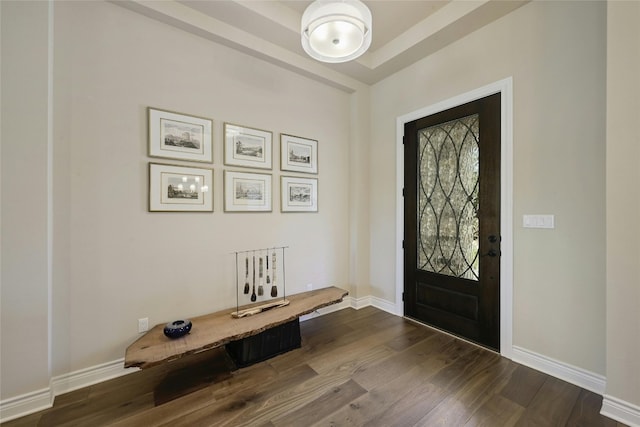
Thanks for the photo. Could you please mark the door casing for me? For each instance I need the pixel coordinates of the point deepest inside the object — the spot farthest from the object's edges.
(505, 88)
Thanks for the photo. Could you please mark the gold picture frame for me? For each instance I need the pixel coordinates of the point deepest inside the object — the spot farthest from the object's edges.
(174, 188)
(180, 136)
(247, 147)
(247, 192)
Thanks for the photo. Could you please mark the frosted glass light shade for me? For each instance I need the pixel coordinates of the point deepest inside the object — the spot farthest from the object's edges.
(336, 31)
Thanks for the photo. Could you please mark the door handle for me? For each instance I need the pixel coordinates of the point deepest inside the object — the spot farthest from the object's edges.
(492, 253)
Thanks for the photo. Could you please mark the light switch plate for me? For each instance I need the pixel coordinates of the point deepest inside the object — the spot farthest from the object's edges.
(538, 221)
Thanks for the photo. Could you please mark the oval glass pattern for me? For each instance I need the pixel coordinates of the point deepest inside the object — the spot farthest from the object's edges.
(448, 174)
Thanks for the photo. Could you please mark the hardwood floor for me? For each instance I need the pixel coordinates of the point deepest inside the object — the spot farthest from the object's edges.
(355, 368)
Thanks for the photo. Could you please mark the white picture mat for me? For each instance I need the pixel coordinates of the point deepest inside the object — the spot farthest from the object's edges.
(299, 194)
(247, 192)
(164, 125)
(161, 176)
(247, 147)
(298, 154)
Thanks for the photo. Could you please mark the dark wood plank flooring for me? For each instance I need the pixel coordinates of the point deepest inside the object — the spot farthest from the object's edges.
(355, 368)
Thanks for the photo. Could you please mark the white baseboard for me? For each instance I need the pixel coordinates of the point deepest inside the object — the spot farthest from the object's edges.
(29, 403)
(89, 376)
(361, 302)
(385, 305)
(346, 303)
(621, 411)
(356, 303)
(612, 407)
(25, 404)
(564, 371)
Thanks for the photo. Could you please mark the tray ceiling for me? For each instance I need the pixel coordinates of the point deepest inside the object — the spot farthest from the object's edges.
(403, 31)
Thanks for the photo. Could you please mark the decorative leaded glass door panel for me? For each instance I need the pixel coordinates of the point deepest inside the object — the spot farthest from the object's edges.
(448, 179)
(452, 219)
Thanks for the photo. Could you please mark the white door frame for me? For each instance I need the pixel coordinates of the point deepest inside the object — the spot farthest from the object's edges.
(505, 88)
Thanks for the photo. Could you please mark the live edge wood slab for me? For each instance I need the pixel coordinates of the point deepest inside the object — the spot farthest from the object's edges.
(217, 329)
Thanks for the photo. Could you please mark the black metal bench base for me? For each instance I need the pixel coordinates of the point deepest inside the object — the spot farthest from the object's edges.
(265, 345)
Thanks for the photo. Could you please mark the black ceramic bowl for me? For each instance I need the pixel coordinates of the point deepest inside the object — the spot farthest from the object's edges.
(177, 328)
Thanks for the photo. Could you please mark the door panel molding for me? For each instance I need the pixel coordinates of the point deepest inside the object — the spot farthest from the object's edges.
(505, 88)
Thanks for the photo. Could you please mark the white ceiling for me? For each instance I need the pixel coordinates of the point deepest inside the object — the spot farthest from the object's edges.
(403, 31)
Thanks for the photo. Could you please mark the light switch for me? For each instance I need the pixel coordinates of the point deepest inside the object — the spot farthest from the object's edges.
(538, 221)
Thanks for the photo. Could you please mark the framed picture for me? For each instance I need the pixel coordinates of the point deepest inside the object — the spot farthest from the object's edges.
(299, 194)
(180, 189)
(247, 192)
(247, 147)
(178, 136)
(298, 154)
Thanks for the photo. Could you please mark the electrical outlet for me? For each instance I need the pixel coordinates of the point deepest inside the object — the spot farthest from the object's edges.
(143, 325)
(309, 286)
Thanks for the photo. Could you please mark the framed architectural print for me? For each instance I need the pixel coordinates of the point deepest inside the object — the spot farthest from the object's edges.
(180, 189)
(247, 147)
(298, 154)
(299, 194)
(247, 192)
(179, 136)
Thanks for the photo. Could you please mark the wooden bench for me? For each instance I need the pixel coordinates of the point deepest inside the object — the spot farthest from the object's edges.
(220, 328)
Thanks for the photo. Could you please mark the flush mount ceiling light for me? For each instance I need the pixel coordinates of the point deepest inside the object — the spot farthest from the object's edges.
(336, 31)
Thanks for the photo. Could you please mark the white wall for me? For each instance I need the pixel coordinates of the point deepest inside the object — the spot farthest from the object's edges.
(359, 176)
(114, 261)
(25, 272)
(110, 255)
(555, 52)
(128, 263)
(623, 210)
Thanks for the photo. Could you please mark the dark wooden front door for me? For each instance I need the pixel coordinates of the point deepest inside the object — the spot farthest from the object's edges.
(452, 220)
